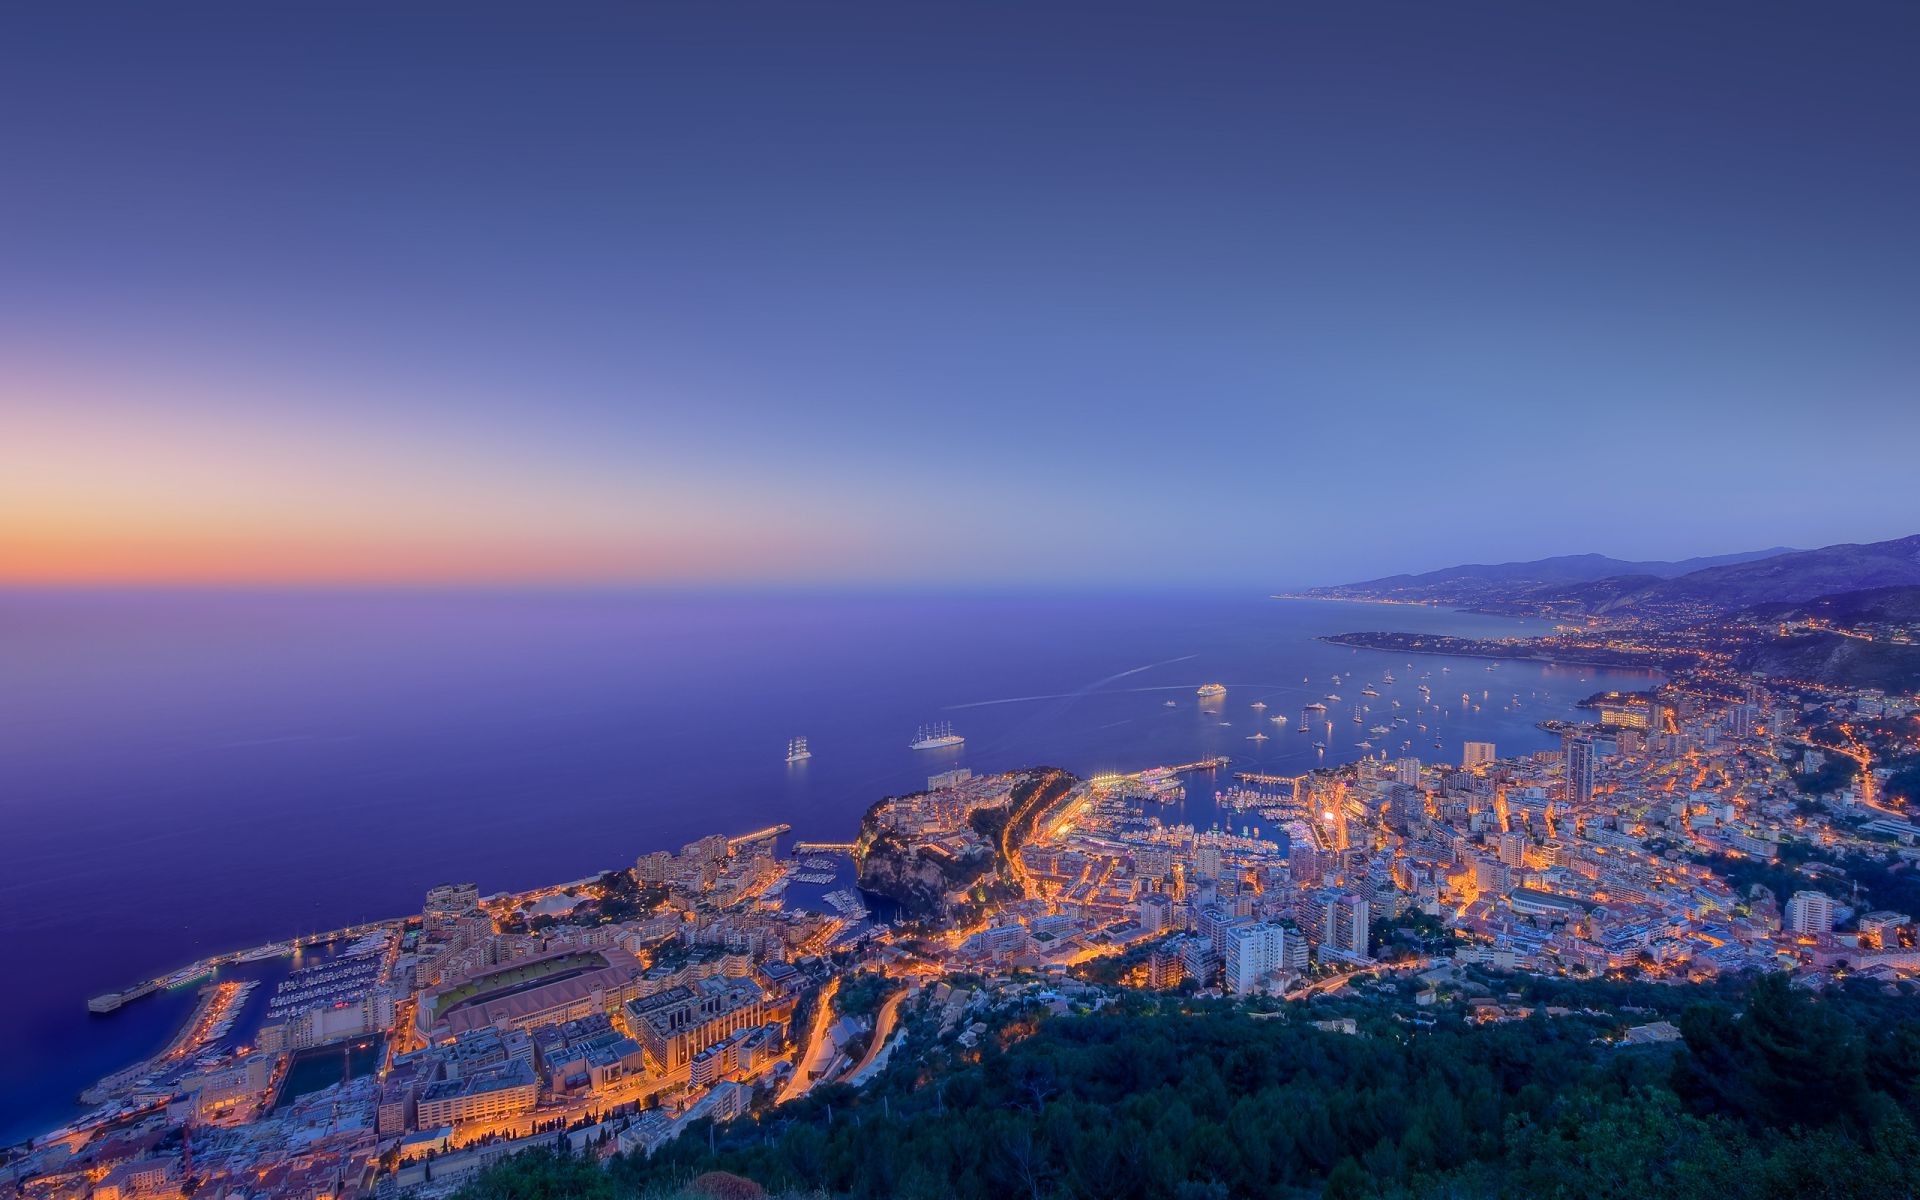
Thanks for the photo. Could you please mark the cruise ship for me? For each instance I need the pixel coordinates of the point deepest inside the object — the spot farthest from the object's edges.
(936, 737)
(1213, 689)
(797, 750)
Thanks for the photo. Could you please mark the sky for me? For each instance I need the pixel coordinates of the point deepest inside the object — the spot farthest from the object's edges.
(948, 295)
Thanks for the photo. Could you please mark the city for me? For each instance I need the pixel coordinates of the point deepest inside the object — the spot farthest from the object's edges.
(859, 600)
(1715, 826)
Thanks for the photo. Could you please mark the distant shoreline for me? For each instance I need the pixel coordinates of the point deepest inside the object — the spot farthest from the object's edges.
(1347, 640)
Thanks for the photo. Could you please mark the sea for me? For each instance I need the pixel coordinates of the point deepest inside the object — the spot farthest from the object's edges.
(185, 772)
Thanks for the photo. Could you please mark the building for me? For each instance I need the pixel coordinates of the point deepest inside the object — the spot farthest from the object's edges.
(1255, 953)
(1579, 755)
(677, 1024)
(1153, 862)
(503, 1091)
(1349, 929)
(1156, 912)
(1809, 913)
(1164, 967)
(452, 900)
(1206, 861)
(654, 868)
(1476, 754)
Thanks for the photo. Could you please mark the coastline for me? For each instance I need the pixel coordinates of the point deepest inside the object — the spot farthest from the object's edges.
(1344, 639)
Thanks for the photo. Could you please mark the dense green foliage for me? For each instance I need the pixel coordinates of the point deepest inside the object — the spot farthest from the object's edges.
(1774, 1093)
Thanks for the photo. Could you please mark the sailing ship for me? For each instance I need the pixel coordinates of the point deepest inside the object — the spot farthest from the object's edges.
(936, 737)
(797, 750)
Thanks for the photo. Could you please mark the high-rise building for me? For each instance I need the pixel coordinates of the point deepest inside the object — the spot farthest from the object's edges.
(1153, 862)
(1206, 860)
(1476, 754)
(1579, 762)
(1165, 968)
(1512, 848)
(452, 900)
(653, 868)
(1810, 913)
(1349, 928)
(1198, 960)
(1255, 951)
(1407, 771)
(1156, 912)
(1303, 857)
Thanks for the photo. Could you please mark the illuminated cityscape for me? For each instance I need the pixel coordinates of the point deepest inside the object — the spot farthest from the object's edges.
(1067, 600)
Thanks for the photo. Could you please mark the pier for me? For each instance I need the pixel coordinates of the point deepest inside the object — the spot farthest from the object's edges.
(823, 847)
(758, 835)
(1205, 764)
(1292, 781)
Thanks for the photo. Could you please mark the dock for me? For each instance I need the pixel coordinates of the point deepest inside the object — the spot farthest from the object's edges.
(758, 835)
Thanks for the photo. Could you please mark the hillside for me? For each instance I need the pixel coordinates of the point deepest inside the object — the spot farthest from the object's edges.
(1596, 584)
(1869, 606)
(1793, 578)
(1474, 583)
(1770, 1094)
(1835, 659)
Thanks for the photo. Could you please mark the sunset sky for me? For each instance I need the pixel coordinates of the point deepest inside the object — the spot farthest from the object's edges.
(904, 295)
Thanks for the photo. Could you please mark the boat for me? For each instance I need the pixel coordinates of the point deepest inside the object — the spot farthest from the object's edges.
(1316, 706)
(1379, 729)
(1363, 745)
(1333, 697)
(1172, 704)
(797, 750)
(936, 737)
(1260, 704)
(1210, 690)
(1368, 691)
(1257, 736)
(1280, 720)
(1319, 745)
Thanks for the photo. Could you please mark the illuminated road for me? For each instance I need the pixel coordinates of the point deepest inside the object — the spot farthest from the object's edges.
(819, 1050)
(882, 1029)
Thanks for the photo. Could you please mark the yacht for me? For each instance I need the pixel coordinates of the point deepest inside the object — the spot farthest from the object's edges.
(1210, 690)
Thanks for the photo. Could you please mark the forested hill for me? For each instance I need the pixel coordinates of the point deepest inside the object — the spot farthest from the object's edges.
(1772, 1093)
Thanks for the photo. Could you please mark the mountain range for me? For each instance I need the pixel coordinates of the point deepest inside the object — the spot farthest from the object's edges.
(1596, 584)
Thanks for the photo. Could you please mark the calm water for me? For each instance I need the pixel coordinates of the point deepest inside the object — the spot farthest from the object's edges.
(189, 772)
